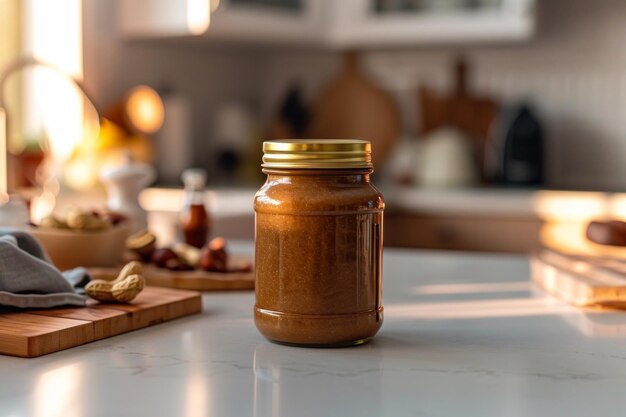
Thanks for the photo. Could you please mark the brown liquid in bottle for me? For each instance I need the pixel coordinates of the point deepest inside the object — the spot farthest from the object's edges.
(194, 219)
(196, 225)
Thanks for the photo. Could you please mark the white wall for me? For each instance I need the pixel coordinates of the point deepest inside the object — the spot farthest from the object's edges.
(205, 77)
(574, 71)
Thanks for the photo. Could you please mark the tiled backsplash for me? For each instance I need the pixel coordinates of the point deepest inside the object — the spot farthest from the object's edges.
(574, 73)
(583, 111)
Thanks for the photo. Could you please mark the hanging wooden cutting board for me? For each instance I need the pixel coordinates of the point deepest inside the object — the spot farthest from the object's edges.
(353, 107)
(472, 114)
(38, 332)
(468, 112)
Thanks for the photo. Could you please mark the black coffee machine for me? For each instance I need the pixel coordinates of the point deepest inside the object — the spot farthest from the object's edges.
(519, 148)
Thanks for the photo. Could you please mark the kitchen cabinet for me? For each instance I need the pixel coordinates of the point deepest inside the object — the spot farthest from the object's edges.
(481, 219)
(331, 23)
(149, 19)
(462, 232)
(268, 21)
(296, 22)
(365, 23)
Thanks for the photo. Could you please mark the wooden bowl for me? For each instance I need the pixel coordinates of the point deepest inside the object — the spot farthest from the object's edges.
(71, 248)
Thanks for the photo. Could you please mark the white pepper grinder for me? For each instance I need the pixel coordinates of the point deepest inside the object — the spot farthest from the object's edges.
(123, 184)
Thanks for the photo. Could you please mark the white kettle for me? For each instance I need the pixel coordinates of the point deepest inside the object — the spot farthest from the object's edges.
(446, 159)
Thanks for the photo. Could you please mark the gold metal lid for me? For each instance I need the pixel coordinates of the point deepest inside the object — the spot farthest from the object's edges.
(317, 153)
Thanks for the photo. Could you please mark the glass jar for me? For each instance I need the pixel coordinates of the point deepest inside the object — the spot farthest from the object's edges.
(318, 246)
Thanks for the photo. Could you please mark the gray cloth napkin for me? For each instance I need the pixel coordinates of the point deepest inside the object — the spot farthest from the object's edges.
(29, 280)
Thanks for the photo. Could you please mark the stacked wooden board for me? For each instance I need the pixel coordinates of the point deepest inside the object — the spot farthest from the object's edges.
(38, 332)
(579, 280)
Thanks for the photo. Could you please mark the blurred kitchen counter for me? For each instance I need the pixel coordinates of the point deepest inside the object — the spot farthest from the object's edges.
(482, 219)
(496, 219)
(231, 209)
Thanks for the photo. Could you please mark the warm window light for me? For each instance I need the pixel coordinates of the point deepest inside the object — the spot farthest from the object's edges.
(570, 206)
(144, 109)
(54, 36)
(42, 206)
(567, 215)
(618, 206)
(60, 105)
(4, 187)
(199, 15)
(196, 395)
(570, 238)
(478, 288)
(479, 309)
(56, 390)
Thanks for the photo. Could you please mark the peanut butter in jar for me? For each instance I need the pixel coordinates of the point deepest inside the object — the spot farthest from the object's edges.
(318, 244)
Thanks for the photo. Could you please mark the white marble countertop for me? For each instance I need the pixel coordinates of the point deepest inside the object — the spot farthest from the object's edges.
(464, 335)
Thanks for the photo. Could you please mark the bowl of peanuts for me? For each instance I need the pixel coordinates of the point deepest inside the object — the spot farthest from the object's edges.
(83, 238)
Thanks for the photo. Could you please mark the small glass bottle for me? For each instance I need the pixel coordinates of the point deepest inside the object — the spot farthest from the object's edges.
(194, 219)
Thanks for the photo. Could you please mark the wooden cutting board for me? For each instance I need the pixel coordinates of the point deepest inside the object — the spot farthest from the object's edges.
(582, 281)
(186, 280)
(462, 109)
(354, 106)
(38, 332)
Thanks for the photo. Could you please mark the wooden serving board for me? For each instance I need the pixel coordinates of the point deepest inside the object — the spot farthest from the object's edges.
(582, 281)
(186, 280)
(34, 333)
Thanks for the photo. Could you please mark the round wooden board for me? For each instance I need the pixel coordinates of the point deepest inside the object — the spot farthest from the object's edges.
(186, 280)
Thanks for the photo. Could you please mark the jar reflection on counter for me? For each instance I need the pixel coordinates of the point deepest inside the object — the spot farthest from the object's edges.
(319, 247)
